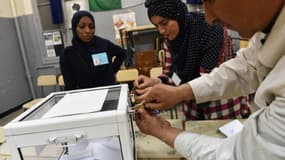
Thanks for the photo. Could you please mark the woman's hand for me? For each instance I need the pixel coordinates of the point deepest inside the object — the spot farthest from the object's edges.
(163, 96)
(143, 82)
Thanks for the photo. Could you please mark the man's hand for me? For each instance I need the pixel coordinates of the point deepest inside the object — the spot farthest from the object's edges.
(152, 125)
(163, 96)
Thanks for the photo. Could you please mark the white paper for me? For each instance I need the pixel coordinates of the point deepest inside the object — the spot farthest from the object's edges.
(50, 51)
(231, 128)
(176, 79)
(107, 148)
(123, 20)
(78, 103)
(48, 39)
(57, 38)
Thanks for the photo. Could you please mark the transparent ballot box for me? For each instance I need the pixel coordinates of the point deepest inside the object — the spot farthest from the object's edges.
(83, 124)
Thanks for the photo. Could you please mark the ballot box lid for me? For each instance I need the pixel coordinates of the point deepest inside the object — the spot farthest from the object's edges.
(72, 109)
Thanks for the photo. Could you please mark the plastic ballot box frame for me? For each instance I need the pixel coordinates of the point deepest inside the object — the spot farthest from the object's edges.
(30, 129)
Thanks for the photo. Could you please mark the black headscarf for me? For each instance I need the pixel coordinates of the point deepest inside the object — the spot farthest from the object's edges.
(74, 22)
(83, 49)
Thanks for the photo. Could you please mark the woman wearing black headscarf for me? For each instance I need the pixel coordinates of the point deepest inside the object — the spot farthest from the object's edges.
(88, 62)
(191, 47)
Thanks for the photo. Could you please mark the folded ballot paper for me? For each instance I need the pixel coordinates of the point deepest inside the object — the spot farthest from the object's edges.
(107, 148)
(78, 103)
(231, 128)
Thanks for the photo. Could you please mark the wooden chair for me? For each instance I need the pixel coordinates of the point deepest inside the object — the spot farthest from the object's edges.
(60, 82)
(155, 72)
(127, 76)
(243, 43)
(42, 81)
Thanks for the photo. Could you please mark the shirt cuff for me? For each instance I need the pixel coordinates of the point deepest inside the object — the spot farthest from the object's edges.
(195, 146)
(199, 89)
(182, 145)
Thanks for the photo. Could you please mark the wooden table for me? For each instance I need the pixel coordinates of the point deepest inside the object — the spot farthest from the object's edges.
(150, 148)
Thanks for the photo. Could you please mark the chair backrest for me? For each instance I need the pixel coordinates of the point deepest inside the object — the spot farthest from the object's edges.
(127, 75)
(60, 80)
(46, 80)
(155, 72)
(243, 43)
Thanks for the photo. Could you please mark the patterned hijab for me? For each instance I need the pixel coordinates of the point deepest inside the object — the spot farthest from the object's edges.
(175, 10)
(196, 45)
(170, 9)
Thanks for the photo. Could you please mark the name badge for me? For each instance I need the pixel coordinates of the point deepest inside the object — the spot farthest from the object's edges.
(176, 80)
(100, 59)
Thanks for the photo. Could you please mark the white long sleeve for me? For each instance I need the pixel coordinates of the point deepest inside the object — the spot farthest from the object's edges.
(186, 144)
(263, 134)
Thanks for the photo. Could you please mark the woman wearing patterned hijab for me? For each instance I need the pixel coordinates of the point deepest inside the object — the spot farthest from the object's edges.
(88, 62)
(191, 47)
